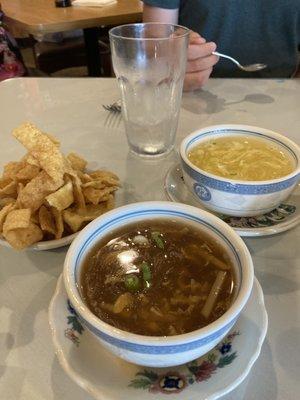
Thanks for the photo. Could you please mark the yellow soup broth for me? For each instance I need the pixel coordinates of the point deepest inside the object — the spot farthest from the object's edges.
(242, 158)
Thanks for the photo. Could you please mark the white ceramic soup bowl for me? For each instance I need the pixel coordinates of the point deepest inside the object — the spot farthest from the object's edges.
(153, 350)
(234, 197)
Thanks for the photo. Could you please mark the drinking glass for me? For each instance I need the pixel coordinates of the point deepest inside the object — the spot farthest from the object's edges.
(149, 61)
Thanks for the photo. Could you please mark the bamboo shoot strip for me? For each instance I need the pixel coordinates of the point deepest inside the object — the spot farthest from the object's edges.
(213, 294)
(123, 301)
(216, 262)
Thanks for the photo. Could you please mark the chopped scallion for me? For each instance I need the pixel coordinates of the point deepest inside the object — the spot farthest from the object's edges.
(132, 283)
(156, 236)
(146, 271)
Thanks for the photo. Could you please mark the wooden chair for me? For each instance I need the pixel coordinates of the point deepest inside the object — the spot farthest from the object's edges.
(52, 57)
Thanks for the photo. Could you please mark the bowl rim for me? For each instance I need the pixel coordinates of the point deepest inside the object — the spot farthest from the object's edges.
(214, 129)
(228, 317)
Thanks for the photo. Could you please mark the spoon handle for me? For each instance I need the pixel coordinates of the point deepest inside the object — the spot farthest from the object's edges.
(225, 56)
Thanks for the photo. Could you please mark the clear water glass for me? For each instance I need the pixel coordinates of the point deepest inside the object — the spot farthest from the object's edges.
(149, 61)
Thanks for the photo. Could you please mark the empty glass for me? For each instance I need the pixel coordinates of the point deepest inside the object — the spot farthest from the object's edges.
(149, 61)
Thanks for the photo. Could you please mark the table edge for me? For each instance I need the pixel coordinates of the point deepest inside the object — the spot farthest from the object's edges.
(35, 29)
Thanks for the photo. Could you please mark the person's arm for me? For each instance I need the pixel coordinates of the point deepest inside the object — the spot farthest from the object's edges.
(200, 60)
(156, 14)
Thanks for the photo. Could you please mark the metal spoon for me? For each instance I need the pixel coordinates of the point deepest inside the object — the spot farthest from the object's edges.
(247, 68)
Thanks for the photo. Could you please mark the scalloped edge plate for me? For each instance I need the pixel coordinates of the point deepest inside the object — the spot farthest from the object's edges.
(106, 377)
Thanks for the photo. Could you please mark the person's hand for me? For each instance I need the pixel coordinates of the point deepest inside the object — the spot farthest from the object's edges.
(200, 62)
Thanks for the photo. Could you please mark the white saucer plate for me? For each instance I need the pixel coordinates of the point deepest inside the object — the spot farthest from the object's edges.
(46, 244)
(283, 218)
(107, 377)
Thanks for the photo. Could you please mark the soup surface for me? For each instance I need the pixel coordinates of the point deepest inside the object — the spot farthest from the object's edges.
(242, 157)
(158, 278)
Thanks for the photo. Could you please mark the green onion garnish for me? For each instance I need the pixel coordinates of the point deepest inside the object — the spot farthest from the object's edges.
(146, 271)
(132, 283)
(156, 236)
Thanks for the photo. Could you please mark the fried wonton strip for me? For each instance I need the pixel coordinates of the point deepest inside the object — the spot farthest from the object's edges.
(20, 187)
(6, 200)
(62, 198)
(110, 204)
(95, 196)
(77, 162)
(47, 221)
(28, 172)
(53, 139)
(29, 159)
(59, 223)
(100, 183)
(4, 181)
(213, 294)
(102, 174)
(4, 212)
(21, 238)
(35, 217)
(84, 177)
(9, 190)
(43, 149)
(33, 194)
(75, 217)
(16, 219)
(12, 168)
(77, 192)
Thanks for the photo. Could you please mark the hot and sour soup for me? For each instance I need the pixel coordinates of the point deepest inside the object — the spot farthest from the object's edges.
(158, 278)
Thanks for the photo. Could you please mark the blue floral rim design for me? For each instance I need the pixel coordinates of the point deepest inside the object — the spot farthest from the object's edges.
(238, 188)
(197, 371)
(152, 349)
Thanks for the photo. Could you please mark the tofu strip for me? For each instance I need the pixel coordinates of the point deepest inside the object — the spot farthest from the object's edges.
(213, 294)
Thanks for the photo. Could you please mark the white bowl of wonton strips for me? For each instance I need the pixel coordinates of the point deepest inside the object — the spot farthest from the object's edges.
(158, 283)
(46, 197)
(239, 170)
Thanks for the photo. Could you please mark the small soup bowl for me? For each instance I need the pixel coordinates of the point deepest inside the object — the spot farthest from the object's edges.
(154, 350)
(236, 197)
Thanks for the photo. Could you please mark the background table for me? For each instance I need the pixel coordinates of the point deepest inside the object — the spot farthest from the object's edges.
(71, 109)
(38, 17)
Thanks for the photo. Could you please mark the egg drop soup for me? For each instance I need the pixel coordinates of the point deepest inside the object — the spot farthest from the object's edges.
(242, 158)
(159, 278)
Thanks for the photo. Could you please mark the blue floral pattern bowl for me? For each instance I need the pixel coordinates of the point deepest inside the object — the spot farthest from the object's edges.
(233, 197)
(152, 350)
(286, 216)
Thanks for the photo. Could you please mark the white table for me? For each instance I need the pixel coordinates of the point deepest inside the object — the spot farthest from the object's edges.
(71, 109)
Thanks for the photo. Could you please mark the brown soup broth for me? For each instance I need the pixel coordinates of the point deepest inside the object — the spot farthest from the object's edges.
(155, 277)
